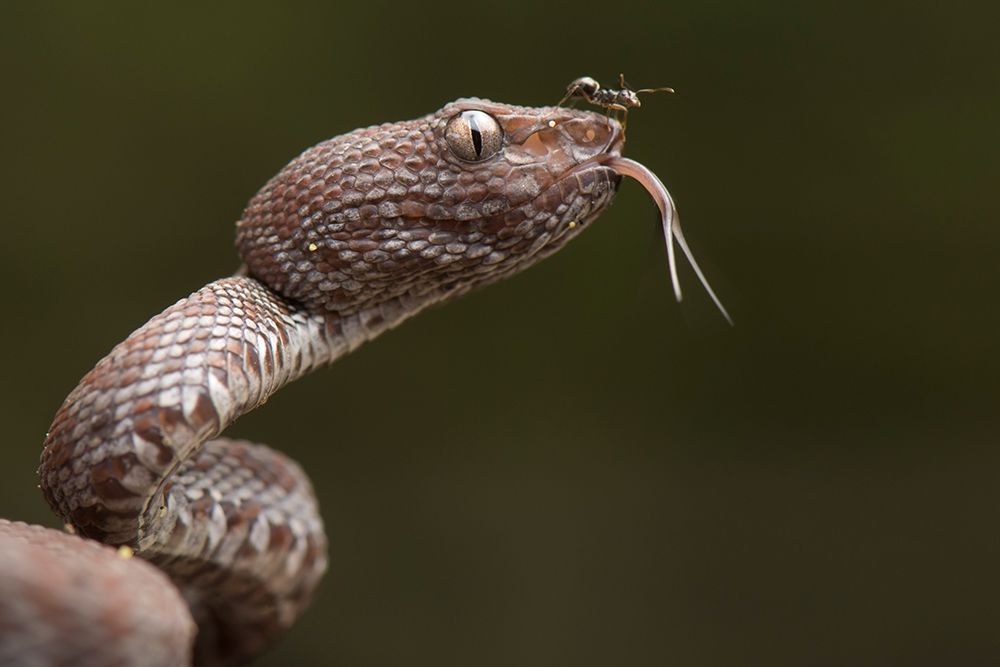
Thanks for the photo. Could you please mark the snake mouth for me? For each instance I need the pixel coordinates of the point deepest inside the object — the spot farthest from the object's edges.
(669, 219)
(598, 158)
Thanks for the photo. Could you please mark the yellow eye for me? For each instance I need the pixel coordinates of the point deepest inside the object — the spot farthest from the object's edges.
(474, 135)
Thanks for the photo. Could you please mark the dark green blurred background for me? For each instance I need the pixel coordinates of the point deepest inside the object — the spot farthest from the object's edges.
(568, 468)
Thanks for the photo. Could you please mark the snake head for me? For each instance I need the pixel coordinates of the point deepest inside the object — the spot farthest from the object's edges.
(429, 208)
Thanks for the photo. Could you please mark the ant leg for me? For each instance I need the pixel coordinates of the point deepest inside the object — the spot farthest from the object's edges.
(570, 92)
(624, 119)
(607, 114)
(575, 92)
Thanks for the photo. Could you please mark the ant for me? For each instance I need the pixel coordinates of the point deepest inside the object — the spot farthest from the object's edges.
(622, 99)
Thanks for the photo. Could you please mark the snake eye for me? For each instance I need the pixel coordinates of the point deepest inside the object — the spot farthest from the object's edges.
(474, 135)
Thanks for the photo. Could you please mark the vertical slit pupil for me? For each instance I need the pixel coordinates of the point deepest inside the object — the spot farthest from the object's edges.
(477, 141)
(477, 134)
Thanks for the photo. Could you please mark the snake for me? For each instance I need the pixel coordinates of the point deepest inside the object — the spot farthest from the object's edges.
(182, 547)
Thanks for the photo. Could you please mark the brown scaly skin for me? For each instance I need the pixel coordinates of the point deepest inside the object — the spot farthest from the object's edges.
(351, 238)
(58, 594)
(392, 212)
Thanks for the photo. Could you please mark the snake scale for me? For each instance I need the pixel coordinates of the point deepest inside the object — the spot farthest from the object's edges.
(351, 238)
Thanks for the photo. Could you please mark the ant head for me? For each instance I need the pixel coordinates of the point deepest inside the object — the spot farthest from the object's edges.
(585, 86)
(628, 98)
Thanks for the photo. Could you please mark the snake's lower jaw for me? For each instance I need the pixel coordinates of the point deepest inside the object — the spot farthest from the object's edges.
(583, 193)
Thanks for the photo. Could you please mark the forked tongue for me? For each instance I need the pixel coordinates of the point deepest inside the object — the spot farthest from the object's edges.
(671, 223)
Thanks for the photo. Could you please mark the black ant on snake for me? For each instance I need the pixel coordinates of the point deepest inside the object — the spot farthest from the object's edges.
(621, 99)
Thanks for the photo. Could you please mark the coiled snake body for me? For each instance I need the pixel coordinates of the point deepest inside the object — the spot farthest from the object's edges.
(351, 238)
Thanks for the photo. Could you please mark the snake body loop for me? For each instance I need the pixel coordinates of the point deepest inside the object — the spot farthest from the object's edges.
(351, 238)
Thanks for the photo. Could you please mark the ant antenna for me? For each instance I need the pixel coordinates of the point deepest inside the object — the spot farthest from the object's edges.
(664, 89)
